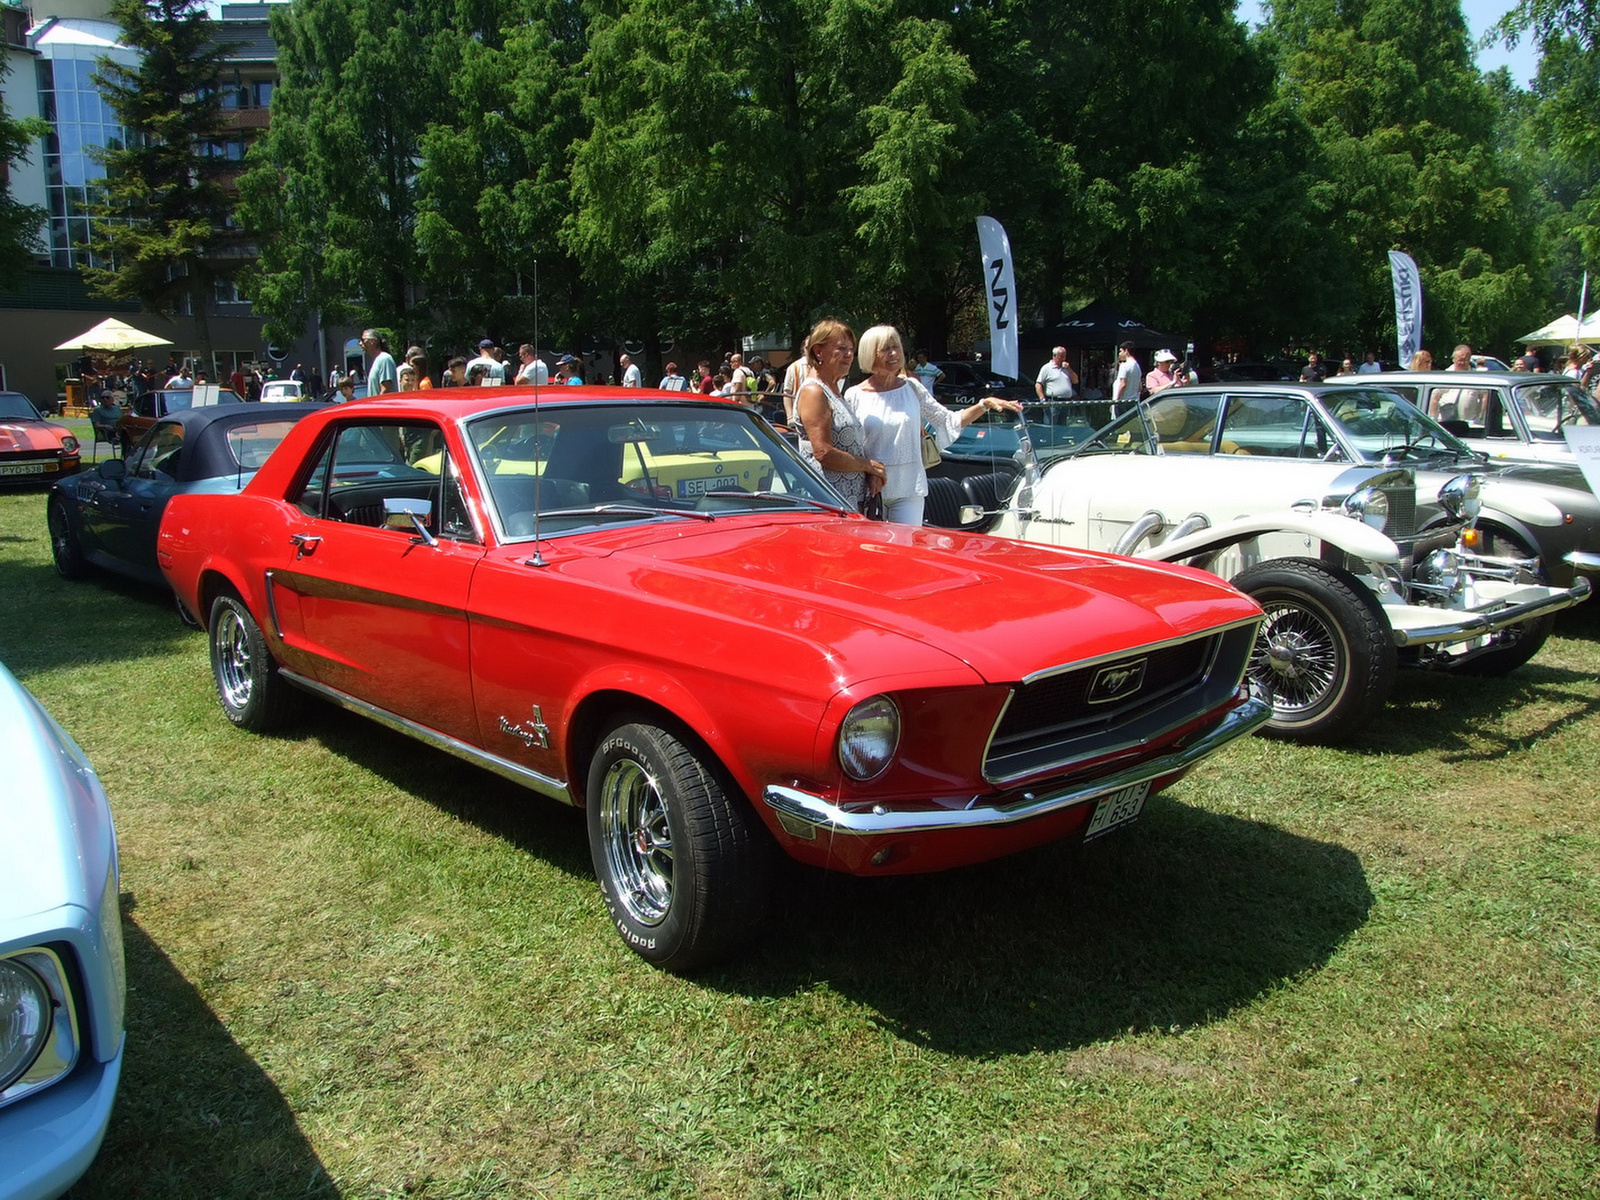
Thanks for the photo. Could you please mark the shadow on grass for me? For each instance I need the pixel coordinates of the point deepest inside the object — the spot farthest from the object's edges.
(195, 1115)
(533, 823)
(1183, 917)
(1172, 923)
(1475, 719)
(51, 623)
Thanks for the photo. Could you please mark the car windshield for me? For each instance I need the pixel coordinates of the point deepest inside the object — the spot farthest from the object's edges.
(1381, 425)
(1052, 428)
(579, 465)
(1550, 405)
(14, 406)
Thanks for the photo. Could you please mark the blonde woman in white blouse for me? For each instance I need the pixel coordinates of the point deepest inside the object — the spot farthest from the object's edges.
(892, 409)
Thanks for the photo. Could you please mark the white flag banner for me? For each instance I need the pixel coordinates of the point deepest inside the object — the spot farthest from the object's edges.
(1001, 288)
(1585, 443)
(1407, 305)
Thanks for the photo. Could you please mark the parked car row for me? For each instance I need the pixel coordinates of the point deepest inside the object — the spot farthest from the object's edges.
(568, 588)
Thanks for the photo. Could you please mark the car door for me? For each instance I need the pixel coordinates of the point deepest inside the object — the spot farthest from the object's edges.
(127, 511)
(373, 611)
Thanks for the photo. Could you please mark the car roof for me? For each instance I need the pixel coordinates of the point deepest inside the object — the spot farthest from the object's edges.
(194, 420)
(1453, 378)
(470, 402)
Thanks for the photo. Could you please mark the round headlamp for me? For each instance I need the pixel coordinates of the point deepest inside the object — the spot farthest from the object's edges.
(868, 738)
(69, 444)
(1442, 568)
(25, 1016)
(1461, 497)
(1369, 506)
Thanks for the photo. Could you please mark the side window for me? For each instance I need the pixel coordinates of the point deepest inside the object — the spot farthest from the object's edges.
(1180, 426)
(1273, 426)
(158, 455)
(364, 465)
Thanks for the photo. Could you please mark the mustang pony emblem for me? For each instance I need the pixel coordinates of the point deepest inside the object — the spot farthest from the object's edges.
(1117, 681)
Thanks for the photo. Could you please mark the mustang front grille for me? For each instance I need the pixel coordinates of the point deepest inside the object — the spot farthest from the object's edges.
(1087, 712)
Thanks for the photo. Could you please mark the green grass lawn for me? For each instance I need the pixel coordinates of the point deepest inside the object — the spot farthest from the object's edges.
(361, 968)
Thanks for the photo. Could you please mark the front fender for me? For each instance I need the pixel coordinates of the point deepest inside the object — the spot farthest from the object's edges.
(1349, 535)
(1517, 505)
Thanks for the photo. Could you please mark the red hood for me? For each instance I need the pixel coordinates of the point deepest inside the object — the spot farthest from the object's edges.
(1005, 608)
(31, 435)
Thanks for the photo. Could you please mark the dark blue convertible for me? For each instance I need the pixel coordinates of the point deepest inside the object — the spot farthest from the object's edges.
(108, 517)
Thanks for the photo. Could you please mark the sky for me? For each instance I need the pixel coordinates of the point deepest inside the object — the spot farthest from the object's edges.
(1480, 14)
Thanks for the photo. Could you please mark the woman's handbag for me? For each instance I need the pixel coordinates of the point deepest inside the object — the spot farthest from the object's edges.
(930, 450)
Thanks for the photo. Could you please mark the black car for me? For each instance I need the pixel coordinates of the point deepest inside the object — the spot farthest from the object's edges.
(108, 517)
(967, 382)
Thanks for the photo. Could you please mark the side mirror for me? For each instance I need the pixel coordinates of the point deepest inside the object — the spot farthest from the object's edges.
(112, 468)
(971, 514)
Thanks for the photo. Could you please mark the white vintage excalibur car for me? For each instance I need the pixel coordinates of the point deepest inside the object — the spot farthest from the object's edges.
(1356, 571)
(61, 967)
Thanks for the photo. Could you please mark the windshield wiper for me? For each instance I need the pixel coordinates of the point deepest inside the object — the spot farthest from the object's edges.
(628, 510)
(741, 494)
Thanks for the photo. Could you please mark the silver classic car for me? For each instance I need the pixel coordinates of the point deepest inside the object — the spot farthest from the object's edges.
(1370, 536)
(1511, 416)
(61, 966)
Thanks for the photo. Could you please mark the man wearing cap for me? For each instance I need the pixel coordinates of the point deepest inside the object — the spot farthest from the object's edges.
(1056, 378)
(672, 381)
(494, 371)
(569, 371)
(1162, 375)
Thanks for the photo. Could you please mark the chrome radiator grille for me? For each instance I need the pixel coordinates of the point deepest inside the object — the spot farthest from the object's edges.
(1079, 714)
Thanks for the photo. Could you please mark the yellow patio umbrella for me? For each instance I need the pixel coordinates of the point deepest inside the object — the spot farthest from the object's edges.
(113, 335)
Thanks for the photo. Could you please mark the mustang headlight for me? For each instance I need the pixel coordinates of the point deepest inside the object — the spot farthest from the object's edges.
(1369, 506)
(868, 738)
(1460, 498)
(25, 1020)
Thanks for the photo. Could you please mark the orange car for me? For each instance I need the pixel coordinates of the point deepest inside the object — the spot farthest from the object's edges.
(32, 449)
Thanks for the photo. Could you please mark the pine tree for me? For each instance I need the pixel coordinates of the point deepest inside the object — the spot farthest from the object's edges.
(159, 232)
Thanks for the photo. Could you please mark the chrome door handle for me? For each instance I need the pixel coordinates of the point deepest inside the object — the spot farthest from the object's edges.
(305, 543)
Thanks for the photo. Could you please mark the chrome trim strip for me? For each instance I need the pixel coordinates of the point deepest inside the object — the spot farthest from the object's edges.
(1134, 651)
(1471, 625)
(272, 603)
(1584, 559)
(791, 804)
(516, 772)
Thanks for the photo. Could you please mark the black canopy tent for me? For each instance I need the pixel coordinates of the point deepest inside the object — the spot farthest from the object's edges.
(1096, 324)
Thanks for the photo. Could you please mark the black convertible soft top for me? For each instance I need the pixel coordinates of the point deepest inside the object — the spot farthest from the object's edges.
(207, 453)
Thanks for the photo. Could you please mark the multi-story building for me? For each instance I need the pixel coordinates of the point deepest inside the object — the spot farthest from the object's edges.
(53, 51)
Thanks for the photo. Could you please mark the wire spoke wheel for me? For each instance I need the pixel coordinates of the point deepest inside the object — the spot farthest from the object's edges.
(1297, 653)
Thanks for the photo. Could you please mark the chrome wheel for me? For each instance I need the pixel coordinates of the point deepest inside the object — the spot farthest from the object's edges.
(637, 841)
(233, 658)
(64, 548)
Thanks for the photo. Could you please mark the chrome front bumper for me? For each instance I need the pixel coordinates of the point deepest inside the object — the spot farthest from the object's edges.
(1435, 626)
(807, 815)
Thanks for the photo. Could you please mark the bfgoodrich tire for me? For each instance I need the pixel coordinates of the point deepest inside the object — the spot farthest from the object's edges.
(1325, 650)
(682, 864)
(252, 693)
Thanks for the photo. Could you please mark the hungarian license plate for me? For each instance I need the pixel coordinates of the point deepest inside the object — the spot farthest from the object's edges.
(28, 468)
(716, 483)
(1116, 809)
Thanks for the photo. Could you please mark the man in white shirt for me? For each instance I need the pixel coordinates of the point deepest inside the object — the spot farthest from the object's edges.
(926, 372)
(1125, 387)
(1056, 379)
(672, 381)
(632, 377)
(494, 371)
(533, 372)
(1369, 365)
(181, 381)
(741, 379)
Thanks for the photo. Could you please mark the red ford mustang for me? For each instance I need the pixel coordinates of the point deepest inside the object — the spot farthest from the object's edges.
(649, 607)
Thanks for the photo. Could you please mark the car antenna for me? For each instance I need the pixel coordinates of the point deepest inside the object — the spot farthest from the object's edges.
(538, 559)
